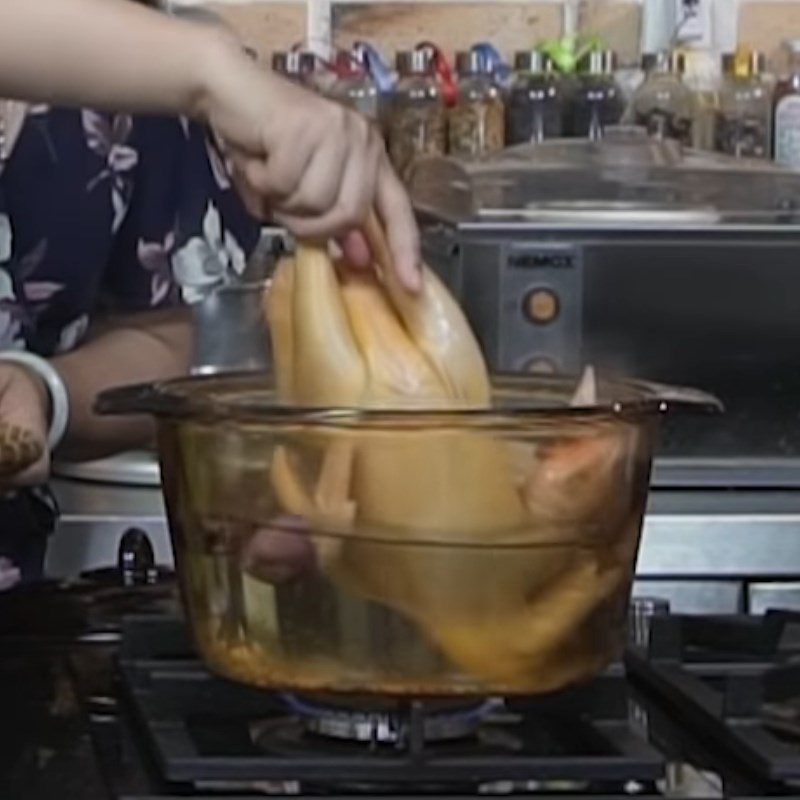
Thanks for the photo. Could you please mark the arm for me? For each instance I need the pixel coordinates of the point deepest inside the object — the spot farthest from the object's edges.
(317, 167)
(139, 348)
(106, 52)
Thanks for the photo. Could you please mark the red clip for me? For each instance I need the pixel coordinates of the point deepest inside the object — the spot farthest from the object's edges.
(346, 64)
(444, 74)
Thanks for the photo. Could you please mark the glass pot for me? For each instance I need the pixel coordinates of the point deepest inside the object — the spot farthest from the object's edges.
(413, 585)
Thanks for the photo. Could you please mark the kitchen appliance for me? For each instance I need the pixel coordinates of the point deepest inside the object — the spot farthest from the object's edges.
(644, 259)
(98, 502)
(103, 707)
(397, 602)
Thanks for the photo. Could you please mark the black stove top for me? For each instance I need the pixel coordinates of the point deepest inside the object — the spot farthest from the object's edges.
(202, 730)
(709, 708)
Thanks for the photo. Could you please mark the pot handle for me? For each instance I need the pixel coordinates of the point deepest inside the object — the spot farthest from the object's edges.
(682, 397)
(144, 398)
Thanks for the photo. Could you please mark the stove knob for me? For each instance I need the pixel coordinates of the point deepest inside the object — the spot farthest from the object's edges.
(640, 617)
(135, 559)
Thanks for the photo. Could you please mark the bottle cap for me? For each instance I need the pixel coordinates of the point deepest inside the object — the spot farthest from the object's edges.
(532, 61)
(744, 64)
(415, 62)
(599, 62)
(294, 62)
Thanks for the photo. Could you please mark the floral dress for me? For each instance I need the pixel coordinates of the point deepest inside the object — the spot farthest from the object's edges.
(103, 212)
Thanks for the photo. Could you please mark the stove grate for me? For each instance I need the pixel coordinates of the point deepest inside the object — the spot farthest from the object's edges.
(202, 729)
(736, 678)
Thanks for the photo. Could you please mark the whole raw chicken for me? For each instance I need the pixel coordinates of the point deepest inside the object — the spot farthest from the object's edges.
(489, 547)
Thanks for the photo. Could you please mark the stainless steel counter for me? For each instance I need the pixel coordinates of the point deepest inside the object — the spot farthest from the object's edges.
(710, 551)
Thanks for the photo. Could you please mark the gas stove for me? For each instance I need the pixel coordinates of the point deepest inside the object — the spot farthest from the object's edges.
(207, 733)
(104, 697)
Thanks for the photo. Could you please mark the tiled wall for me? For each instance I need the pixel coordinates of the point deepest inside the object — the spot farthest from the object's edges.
(267, 25)
(618, 23)
(765, 25)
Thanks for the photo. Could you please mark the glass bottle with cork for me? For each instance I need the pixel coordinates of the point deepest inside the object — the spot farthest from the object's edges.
(663, 104)
(418, 121)
(476, 124)
(786, 115)
(744, 126)
(598, 102)
(535, 104)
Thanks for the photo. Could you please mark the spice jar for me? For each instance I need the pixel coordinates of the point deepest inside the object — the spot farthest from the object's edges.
(598, 101)
(786, 118)
(354, 86)
(535, 105)
(745, 114)
(418, 123)
(297, 66)
(476, 124)
(663, 104)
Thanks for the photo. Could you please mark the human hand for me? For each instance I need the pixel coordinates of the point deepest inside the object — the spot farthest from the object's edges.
(23, 428)
(313, 165)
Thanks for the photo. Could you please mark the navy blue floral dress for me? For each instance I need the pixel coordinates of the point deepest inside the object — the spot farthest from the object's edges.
(103, 211)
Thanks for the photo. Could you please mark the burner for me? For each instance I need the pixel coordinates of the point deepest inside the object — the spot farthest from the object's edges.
(387, 722)
(200, 729)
